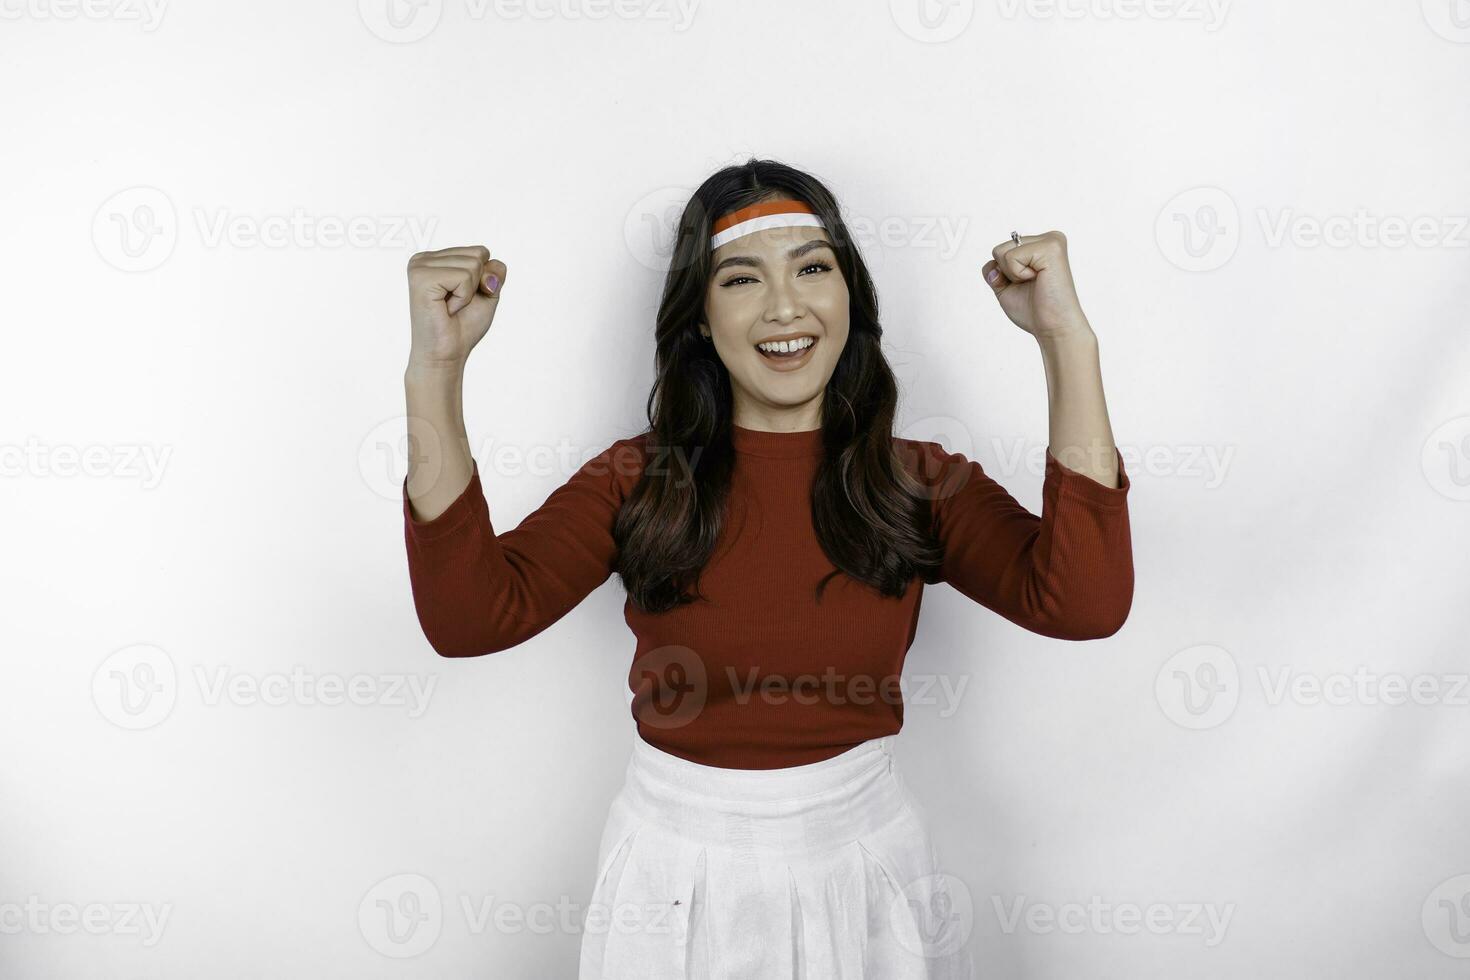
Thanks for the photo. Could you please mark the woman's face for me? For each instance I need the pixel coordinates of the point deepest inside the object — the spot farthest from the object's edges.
(779, 284)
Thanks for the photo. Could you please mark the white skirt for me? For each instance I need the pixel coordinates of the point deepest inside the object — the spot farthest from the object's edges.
(817, 872)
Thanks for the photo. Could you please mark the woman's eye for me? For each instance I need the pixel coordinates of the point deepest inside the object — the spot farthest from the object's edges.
(819, 266)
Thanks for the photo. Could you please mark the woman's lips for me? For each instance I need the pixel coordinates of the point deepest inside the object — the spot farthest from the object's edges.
(788, 362)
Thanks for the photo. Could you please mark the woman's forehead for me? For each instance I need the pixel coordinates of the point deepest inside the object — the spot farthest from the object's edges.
(770, 244)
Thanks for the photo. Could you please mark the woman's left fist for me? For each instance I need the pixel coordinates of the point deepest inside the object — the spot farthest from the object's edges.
(1033, 282)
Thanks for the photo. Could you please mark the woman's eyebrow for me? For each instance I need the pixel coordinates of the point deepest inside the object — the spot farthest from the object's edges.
(757, 262)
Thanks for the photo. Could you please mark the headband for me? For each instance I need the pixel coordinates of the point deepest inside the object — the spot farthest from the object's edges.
(759, 217)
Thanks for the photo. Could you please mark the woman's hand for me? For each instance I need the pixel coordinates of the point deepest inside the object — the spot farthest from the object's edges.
(1033, 282)
(452, 296)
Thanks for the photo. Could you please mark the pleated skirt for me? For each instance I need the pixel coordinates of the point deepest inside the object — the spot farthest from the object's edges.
(817, 872)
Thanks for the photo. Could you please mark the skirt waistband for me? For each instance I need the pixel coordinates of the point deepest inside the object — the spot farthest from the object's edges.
(762, 784)
(799, 809)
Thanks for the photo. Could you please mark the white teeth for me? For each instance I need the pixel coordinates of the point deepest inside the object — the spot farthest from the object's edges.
(787, 346)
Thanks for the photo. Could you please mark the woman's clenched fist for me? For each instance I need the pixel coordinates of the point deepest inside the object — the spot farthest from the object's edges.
(1033, 282)
(452, 296)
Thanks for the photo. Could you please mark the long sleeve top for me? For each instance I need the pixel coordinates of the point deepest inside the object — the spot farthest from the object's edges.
(758, 674)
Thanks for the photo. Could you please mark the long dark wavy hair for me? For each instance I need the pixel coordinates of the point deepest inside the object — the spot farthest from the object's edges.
(871, 517)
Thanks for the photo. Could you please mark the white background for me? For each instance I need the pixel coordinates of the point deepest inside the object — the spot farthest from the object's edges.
(1292, 407)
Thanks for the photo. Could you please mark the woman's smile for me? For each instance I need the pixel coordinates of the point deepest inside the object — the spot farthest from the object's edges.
(787, 353)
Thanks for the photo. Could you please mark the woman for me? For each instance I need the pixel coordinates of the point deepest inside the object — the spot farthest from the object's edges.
(774, 538)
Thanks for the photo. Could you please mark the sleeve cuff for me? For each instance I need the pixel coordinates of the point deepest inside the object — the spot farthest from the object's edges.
(1085, 488)
(454, 516)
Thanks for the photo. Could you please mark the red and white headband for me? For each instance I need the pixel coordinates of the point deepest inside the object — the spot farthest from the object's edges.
(759, 217)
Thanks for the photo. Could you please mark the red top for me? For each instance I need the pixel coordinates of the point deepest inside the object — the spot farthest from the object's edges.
(760, 675)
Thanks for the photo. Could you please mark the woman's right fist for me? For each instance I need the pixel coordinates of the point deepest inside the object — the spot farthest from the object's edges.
(452, 296)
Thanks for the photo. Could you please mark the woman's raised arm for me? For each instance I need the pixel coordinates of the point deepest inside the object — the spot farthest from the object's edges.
(1069, 572)
(1066, 574)
(476, 591)
(479, 592)
(452, 297)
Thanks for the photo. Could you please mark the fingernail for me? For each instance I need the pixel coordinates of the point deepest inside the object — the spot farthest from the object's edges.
(993, 276)
(492, 282)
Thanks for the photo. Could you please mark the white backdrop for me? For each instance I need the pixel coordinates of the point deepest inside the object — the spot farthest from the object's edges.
(228, 750)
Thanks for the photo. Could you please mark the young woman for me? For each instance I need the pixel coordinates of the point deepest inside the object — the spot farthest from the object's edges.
(774, 538)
